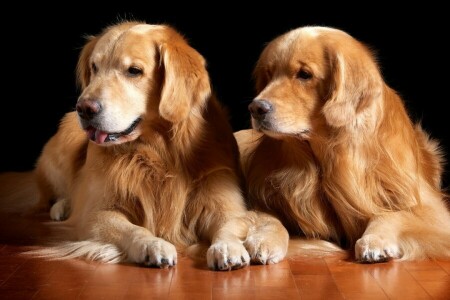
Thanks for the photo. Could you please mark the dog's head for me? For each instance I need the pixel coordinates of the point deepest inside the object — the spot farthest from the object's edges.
(133, 72)
(313, 78)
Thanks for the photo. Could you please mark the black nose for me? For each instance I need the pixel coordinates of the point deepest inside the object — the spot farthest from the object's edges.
(87, 109)
(259, 108)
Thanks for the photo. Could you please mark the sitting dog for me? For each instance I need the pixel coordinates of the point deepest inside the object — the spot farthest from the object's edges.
(334, 155)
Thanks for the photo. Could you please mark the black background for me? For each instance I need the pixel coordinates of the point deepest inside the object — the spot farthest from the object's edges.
(40, 47)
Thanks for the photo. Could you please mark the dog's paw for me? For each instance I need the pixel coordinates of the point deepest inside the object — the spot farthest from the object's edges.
(60, 210)
(264, 251)
(152, 251)
(227, 256)
(373, 249)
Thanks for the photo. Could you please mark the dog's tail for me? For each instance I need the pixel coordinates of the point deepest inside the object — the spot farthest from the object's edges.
(298, 247)
(302, 247)
(197, 252)
(89, 250)
(19, 193)
(61, 243)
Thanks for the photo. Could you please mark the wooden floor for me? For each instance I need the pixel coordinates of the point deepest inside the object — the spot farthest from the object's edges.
(332, 277)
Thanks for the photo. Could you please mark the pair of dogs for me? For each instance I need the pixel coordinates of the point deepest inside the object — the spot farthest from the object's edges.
(332, 155)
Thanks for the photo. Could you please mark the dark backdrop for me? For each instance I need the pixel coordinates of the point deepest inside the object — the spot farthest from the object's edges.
(41, 46)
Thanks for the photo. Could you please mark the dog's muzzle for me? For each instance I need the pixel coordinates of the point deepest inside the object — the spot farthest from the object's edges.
(101, 137)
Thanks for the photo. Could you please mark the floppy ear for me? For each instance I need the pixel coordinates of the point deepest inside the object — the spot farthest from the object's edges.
(262, 70)
(355, 85)
(260, 75)
(83, 65)
(186, 85)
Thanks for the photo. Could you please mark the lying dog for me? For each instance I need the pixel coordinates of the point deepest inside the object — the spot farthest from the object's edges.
(154, 164)
(334, 154)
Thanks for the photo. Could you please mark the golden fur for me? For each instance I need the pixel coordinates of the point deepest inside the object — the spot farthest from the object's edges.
(334, 155)
(154, 165)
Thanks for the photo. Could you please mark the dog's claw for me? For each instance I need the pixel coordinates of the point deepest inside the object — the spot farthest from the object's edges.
(164, 263)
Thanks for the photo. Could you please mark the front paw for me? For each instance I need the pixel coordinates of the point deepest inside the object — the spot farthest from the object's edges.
(372, 248)
(227, 256)
(153, 252)
(264, 251)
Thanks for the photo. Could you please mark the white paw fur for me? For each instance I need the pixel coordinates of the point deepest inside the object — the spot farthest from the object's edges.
(372, 248)
(152, 251)
(227, 256)
(60, 210)
(263, 251)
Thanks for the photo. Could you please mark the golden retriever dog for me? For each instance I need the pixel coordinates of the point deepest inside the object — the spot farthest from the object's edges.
(333, 154)
(148, 165)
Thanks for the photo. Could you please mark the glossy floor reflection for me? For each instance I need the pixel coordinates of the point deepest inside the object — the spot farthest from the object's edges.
(332, 277)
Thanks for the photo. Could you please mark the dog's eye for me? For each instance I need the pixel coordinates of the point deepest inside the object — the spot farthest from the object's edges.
(134, 71)
(94, 68)
(303, 74)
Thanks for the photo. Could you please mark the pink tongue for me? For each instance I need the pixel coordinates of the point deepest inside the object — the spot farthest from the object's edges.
(100, 136)
(97, 136)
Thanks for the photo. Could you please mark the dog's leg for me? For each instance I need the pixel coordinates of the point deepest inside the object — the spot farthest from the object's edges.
(227, 251)
(267, 240)
(379, 242)
(224, 223)
(138, 243)
(263, 241)
(237, 235)
(45, 191)
(421, 232)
